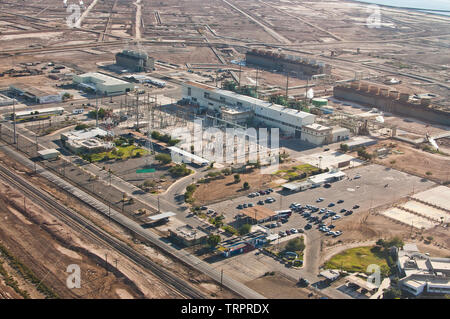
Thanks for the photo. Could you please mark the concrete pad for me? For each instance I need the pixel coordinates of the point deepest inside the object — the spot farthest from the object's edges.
(408, 218)
(439, 196)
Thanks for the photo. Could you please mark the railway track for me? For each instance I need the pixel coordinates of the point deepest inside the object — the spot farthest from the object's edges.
(89, 229)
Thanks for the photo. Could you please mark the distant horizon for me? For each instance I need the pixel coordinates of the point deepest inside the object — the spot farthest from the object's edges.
(440, 6)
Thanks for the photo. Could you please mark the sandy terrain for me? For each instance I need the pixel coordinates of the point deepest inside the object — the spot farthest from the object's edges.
(416, 162)
(279, 287)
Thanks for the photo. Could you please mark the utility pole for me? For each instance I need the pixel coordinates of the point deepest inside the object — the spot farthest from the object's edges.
(14, 118)
(221, 279)
(158, 205)
(287, 86)
(240, 71)
(96, 109)
(257, 82)
(106, 264)
(137, 111)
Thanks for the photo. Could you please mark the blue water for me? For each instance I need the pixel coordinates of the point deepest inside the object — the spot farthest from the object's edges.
(423, 5)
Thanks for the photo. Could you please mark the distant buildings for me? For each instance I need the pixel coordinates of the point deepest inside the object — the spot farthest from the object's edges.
(388, 100)
(294, 65)
(102, 83)
(135, 61)
(421, 273)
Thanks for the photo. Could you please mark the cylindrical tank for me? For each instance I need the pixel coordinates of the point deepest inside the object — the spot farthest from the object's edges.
(384, 92)
(394, 94)
(404, 97)
(319, 102)
(374, 89)
(355, 85)
(425, 101)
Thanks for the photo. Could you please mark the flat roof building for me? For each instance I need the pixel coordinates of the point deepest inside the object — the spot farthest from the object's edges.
(328, 177)
(422, 273)
(289, 121)
(103, 83)
(34, 94)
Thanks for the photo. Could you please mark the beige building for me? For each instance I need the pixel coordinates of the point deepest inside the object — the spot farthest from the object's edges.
(316, 134)
(236, 115)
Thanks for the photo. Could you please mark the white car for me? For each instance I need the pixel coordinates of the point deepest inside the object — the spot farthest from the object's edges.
(336, 217)
(294, 231)
(320, 199)
(337, 233)
(357, 176)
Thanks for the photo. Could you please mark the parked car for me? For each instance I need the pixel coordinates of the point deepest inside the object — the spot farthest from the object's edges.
(203, 208)
(282, 233)
(245, 205)
(340, 201)
(303, 282)
(343, 210)
(356, 207)
(261, 202)
(327, 185)
(240, 206)
(336, 217)
(331, 226)
(357, 176)
(308, 226)
(320, 199)
(331, 204)
(349, 212)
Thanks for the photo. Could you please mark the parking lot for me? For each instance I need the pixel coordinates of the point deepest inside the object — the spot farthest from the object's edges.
(376, 186)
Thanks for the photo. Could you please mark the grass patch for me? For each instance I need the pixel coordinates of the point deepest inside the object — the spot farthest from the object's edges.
(121, 152)
(358, 259)
(298, 172)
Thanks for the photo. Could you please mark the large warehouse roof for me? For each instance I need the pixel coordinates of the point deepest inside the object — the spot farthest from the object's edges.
(253, 101)
(105, 79)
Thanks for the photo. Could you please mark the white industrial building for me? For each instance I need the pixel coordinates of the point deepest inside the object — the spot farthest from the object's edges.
(86, 141)
(6, 100)
(102, 83)
(422, 273)
(315, 181)
(289, 121)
